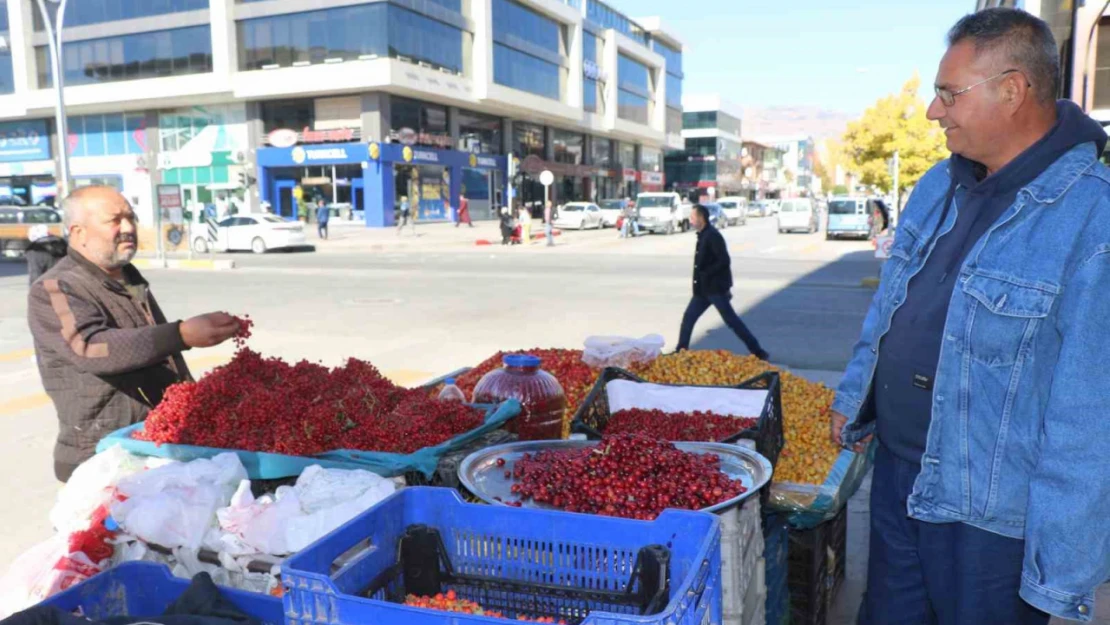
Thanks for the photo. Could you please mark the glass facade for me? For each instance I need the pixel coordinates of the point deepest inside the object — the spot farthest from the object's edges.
(673, 60)
(651, 159)
(7, 80)
(292, 114)
(131, 57)
(85, 12)
(601, 152)
(348, 33)
(480, 131)
(528, 140)
(605, 16)
(107, 135)
(428, 121)
(628, 156)
(521, 35)
(634, 90)
(702, 146)
(632, 107)
(632, 74)
(589, 72)
(699, 119)
(570, 147)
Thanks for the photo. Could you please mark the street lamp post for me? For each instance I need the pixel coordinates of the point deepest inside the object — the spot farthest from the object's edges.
(54, 44)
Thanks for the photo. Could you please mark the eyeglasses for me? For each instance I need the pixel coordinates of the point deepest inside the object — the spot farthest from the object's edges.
(948, 98)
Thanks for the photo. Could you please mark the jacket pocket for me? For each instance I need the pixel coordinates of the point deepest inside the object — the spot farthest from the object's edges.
(1004, 318)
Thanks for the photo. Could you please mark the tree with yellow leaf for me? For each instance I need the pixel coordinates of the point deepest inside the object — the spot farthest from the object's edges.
(894, 123)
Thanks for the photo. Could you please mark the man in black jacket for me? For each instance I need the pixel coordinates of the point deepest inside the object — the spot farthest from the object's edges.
(713, 285)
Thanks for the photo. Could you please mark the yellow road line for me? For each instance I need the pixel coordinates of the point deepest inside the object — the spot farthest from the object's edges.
(812, 248)
(26, 402)
(19, 354)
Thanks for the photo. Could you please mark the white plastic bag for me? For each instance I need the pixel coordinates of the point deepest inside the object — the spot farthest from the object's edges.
(620, 351)
(91, 486)
(728, 402)
(41, 572)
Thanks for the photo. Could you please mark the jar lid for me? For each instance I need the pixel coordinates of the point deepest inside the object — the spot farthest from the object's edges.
(521, 360)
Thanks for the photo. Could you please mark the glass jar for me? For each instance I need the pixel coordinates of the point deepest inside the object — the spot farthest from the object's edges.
(543, 402)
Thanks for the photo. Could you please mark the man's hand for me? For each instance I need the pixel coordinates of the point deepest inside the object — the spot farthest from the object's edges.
(208, 330)
(836, 428)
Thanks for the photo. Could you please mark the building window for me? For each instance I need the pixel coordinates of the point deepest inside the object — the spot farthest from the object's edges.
(606, 17)
(289, 114)
(348, 33)
(590, 72)
(700, 119)
(107, 135)
(632, 107)
(632, 75)
(589, 95)
(479, 131)
(512, 22)
(420, 123)
(513, 68)
(84, 12)
(670, 55)
(628, 156)
(131, 57)
(1102, 66)
(674, 92)
(601, 152)
(674, 121)
(651, 159)
(528, 140)
(702, 146)
(570, 147)
(7, 79)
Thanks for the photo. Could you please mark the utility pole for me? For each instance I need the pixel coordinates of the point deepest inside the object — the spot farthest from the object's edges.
(54, 45)
(897, 193)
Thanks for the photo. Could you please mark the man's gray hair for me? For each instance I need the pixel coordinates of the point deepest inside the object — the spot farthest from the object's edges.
(73, 207)
(1024, 41)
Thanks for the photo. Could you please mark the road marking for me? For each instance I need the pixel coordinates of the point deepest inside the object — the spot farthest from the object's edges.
(772, 250)
(19, 354)
(812, 248)
(26, 402)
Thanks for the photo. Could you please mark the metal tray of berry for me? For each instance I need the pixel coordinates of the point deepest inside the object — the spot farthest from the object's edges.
(483, 475)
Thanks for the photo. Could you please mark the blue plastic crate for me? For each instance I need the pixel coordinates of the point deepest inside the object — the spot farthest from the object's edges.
(776, 547)
(518, 550)
(145, 589)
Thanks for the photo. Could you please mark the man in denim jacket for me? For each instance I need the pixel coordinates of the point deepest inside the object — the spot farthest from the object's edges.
(980, 366)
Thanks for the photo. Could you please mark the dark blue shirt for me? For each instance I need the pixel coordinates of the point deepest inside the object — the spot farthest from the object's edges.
(910, 351)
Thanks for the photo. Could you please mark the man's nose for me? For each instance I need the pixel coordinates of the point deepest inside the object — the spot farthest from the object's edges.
(936, 110)
(127, 225)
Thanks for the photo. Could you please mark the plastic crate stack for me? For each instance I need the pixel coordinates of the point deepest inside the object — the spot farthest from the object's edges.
(530, 563)
(744, 589)
(776, 549)
(816, 569)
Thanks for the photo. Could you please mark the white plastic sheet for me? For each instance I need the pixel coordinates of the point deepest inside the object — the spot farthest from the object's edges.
(91, 486)
(621, 351)
(729, 402)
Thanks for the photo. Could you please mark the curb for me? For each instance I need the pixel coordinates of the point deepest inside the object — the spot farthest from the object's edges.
(171, 263)
(870, 283)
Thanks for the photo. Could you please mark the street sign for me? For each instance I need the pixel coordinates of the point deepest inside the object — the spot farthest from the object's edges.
(547, 178)
(882, 247)
(212, 230)
(169, 196)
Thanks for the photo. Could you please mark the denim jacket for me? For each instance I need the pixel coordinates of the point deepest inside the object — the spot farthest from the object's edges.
(1019, 442)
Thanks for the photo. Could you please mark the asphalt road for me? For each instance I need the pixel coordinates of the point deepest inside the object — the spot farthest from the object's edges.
(440, 303)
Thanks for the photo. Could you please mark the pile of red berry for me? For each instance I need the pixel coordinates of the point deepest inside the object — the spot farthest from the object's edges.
(682, 426)
(265, 404)
(625, 475)
(450, 602)
(245, 324)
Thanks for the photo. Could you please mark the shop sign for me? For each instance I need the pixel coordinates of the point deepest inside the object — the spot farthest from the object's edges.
(301, 155)
(425, 155)
(24, 141)
(30, 168)
(169, 196)
(336, 135)
(410, 137)
(316, 180)
(487, 161)
(630, 175)
(282, 138)
(652, 177)
(177, 160)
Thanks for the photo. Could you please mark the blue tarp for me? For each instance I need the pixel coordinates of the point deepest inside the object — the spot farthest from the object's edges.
(268, 466)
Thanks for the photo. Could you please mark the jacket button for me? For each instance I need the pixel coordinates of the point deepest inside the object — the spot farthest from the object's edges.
(874, 351)
(1084, 610)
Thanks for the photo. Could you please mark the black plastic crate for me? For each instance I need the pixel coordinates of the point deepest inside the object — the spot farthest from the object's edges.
(593, 414)
(816, 568)
(424, 568)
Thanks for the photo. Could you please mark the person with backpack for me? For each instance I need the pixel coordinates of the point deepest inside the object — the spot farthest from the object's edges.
(44, 252)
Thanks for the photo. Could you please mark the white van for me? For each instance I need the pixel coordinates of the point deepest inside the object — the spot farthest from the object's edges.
(662, 213)
(797, 214)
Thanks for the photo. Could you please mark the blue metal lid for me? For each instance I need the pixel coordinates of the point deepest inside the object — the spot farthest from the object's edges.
(521, 360)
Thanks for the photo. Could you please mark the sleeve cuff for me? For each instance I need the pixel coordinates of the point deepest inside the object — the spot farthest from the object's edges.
(167, 338)
(1056, 603)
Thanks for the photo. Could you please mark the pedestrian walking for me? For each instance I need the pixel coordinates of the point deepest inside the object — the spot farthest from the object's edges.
(463, 215)
(44, 251)
(978, 366)
(713, 285)
(548, 227)
(628, 221)
(506, 219)
(105, 351)
(405, 216)
(323, 214)
(525, 225)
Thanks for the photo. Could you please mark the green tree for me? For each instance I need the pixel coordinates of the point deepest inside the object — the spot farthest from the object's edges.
(894, 123)
(840, 190)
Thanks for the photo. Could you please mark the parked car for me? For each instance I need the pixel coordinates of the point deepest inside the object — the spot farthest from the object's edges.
(16, 221)
(257, 233)
(612, 210)
(759, 208)
(663, 212)
(579, 215)
(717, 217)
(798, 214)
(850, 217)
(736, 209)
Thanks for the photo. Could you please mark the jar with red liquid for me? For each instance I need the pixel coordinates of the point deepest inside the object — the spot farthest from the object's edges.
(543, 402)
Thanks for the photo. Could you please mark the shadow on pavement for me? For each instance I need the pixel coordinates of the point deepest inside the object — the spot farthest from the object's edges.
(811, 323)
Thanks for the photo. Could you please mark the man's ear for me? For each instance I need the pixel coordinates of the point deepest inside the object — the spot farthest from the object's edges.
(1015, 90)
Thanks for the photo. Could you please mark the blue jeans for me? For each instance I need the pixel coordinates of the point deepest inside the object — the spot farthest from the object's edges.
(548, 232)
(701, 303)
(924, 573)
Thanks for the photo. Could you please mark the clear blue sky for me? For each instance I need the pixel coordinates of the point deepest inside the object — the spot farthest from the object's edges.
(835, 54)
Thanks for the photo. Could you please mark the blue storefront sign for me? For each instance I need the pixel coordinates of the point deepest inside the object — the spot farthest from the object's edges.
(377, 162)
(24, 141)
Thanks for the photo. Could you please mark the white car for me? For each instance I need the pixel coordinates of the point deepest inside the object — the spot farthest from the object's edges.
(257, 233)
(798, 215)
(735, 209)
(611, 211)
(579, 215)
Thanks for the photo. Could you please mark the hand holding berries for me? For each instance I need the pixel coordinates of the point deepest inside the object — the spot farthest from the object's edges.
(209, 330)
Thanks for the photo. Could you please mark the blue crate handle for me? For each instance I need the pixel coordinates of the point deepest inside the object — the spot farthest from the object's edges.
(268, 466)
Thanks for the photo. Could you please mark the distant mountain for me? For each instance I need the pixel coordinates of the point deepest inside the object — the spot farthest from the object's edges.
(782, 121)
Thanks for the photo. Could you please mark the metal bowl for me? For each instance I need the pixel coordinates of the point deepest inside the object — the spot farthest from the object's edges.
(480, 474)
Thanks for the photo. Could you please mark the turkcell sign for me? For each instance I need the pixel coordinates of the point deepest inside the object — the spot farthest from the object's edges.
(425, 155)
(301, 154)
(487, 161)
